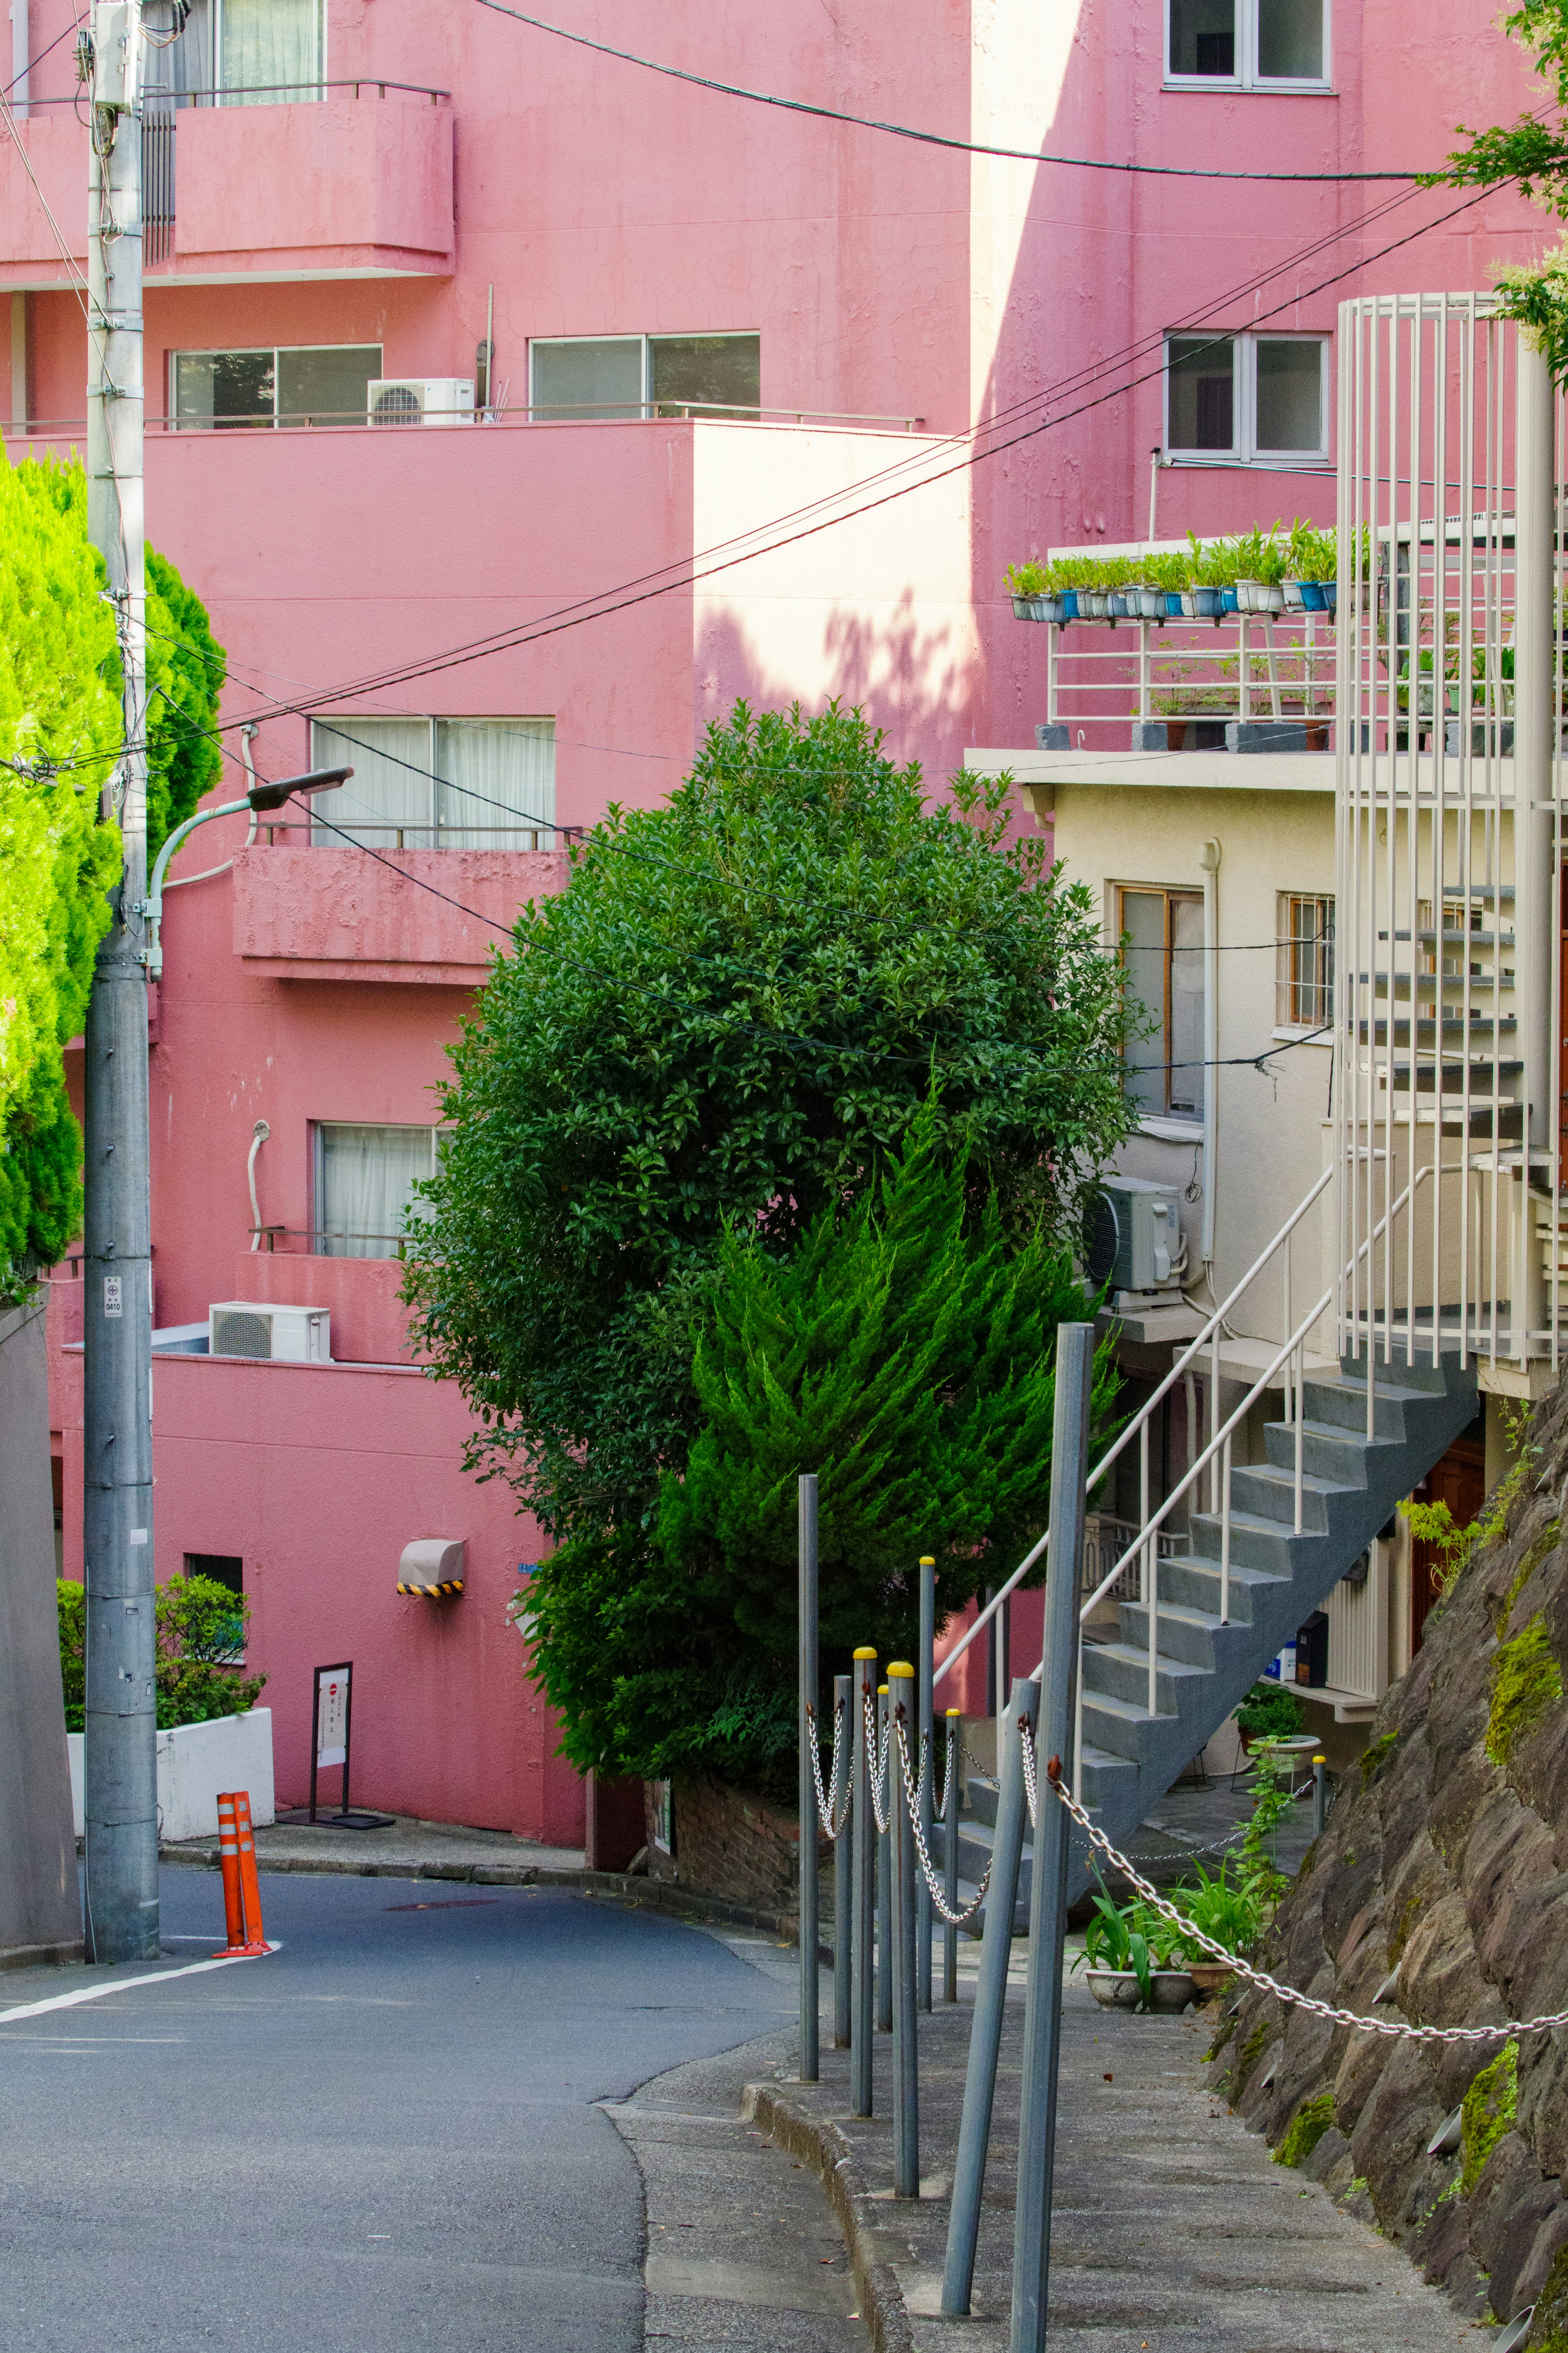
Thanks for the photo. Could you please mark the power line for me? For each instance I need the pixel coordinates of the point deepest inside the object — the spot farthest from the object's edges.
(573, 616)
(926, 138)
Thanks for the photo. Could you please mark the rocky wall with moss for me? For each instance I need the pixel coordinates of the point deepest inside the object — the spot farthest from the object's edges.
(1438, 1894)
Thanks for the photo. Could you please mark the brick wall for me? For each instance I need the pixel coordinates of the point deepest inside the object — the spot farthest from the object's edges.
(729, 1842)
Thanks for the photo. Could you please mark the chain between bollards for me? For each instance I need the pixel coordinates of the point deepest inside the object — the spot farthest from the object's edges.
(950, 1853)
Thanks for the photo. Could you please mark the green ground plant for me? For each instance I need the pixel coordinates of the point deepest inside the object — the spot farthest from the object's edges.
(1270, 1710)
(1527, 1683)
(201, 1631)
(1305, 2130)
(1488, 2110)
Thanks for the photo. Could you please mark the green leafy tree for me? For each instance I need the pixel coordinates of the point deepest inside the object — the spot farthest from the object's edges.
(1532, 155)
(903, 1349)
(736, 1008)
(60, 736)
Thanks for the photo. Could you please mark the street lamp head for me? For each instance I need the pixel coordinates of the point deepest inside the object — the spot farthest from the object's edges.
(263, 797)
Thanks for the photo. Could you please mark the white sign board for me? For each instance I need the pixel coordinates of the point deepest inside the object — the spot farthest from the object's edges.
(332, 1717)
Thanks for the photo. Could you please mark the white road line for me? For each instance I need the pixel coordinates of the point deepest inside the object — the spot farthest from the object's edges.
(123, 1985)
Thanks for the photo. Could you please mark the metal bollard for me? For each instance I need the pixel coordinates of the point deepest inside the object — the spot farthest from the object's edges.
(1319, 1796)
(925, 1771)
(843, 1910)
(955, 1764)
(906, 2053)
(990, 1994)
(862, 1968)
(884, 1891)
(1049, 1890)
(807, 1857)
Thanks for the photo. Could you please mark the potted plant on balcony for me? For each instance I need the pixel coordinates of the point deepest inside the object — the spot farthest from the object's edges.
(1030, 598)
(1169, 576)
(1310, 559)
(1180, 703)
(1260, 572)
(1211, 566)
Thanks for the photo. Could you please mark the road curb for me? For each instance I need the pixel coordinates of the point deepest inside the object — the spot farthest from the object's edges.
(817, 2142)
(651, 1895)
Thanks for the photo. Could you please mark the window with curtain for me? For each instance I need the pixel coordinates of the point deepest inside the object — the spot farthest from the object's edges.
(365, 1179)
(1162, 952)
(441, 784)
(1257, 399)
(270, 52)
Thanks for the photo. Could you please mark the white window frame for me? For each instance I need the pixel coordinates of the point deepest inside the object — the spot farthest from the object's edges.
(1244, 449)
(319, 1231)
(1288, 985)
(342, 722)
(1246, 75)
(244, 350)
(306, 94)
(646, 397)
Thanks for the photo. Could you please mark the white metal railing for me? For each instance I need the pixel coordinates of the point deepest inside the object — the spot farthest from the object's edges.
(1188, 676)
(1450, 833)
(1187, 1368)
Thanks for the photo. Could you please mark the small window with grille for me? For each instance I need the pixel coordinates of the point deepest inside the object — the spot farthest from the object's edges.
(1304, 994)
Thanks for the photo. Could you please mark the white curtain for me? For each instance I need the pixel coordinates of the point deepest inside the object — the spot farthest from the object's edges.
(269, 52)
(387, 801)
(367, 1179)
(497, 788)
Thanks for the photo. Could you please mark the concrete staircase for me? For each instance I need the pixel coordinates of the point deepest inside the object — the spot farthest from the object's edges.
(1205, 1663)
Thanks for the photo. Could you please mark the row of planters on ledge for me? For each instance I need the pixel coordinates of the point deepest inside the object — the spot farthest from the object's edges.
(1263, 572)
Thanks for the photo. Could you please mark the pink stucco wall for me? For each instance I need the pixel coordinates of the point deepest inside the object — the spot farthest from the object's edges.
(631, 579)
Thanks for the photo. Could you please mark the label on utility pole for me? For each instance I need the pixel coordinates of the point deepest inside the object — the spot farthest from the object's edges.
(332, 1717)
(113, 1303)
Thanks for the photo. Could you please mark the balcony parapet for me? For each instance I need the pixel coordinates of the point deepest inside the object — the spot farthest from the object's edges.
(427, 917)
(356, 183)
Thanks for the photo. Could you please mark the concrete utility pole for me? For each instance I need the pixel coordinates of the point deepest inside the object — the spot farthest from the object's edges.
(121, 1796)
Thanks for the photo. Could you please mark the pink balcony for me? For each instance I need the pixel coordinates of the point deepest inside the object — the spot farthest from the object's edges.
(338, 914)
(357, 183)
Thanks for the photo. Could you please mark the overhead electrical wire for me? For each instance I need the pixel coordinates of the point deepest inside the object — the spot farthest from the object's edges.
(907, 131)
(697, 569)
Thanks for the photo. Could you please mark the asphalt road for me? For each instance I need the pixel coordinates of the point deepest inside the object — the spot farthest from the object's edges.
(381, 2139)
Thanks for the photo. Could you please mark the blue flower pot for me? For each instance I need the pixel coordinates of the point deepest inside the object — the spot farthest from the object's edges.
(1312, 597)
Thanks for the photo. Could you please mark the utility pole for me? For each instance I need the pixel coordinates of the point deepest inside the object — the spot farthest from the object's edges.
(120, 1774)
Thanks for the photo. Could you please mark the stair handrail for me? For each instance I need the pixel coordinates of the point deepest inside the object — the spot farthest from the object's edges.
(1141, 1419)
(1151, 1527)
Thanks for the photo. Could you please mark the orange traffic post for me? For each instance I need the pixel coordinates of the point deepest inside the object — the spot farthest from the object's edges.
(241, 1887)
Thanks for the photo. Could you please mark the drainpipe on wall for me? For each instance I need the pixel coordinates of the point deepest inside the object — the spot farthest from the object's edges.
(1209, 860)
(19, 54)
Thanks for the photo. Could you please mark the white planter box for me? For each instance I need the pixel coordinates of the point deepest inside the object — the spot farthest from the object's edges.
(195, 1762)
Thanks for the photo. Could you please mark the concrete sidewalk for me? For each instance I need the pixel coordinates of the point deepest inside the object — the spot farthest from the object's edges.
(1173, 2231)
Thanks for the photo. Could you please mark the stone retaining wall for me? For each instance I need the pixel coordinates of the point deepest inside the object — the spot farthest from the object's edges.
(1444, 1866)
(732, 1844)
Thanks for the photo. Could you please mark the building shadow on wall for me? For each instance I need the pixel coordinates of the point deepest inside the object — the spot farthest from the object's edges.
(913, 682)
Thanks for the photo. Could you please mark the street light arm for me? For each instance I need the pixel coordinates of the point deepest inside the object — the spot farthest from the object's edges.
(152, 905)
(262, 798)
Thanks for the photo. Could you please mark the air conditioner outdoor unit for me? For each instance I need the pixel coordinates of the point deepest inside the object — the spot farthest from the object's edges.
(279, 1335)
(420, 400)
(1132, 1237)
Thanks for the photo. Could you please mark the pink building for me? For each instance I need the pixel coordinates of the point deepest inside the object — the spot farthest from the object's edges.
(700, 400)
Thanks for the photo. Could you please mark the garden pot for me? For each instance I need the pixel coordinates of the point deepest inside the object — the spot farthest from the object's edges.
(1093, 604)
(1175, 604)
(1210, 1977)
(1175, 735)
(1049, 609)
(1069, 603)
(1312, 597)
(1330, 595)
(1208, 604)
(1230, 599)
(1120, 602)
(1171, 1989)
(1114, 1988)
(1023, 608)
(1268, 597)
(1317, 734)
(1150, 603)
(1295, 594)
(1246, 593)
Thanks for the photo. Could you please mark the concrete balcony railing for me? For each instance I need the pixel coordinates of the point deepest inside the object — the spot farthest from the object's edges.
(356, 183)
(338, 914)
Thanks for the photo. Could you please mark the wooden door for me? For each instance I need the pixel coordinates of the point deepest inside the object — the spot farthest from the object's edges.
(1460, 1480)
